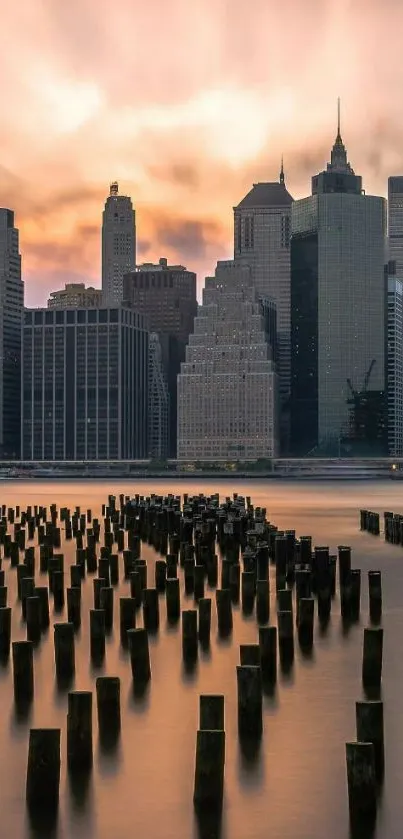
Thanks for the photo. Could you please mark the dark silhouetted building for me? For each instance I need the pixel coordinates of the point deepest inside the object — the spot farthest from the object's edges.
(11, 310)
(85, 384)
(395, 223)
(166, 295)
(158, 403)
(394, 359)
(338, 315)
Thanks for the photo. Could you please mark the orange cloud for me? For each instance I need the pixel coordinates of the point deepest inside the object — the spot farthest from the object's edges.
(186, 104)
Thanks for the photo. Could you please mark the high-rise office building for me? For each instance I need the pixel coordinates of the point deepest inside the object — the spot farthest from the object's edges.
(166, 294)
(338, 314)
(11, 309)
(262, 230)
(75, 296)
(394, 351)
(158, 403)
(227, 387)
(395, 223)
(118, 244)
(84, 384)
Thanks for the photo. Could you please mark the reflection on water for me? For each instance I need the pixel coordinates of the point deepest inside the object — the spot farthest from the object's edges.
(291, 784)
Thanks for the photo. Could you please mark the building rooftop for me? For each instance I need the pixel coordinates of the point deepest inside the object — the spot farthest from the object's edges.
(266, 195)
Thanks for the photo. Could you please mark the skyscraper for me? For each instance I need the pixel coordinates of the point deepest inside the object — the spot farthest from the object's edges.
(394, 350)
(84, 384)
(395, 223)
(11, 309)
(118, 244)
(166, 294)
(262, 229)
(338, 314)
(158, 403)
(227, 387)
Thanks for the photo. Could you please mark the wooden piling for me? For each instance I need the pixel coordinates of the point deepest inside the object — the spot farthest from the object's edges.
(74, 606)
(139, 655)
(151, 613)
(23, 670)
(209, 769)
(361, 780)
(250, 720)
(64, 650)
(5, 632)
(369, 720)
(268, 653)
(211, 712)
(127, 616)
(372, 657)
(33, 619)
(108, 706)
(173, 600)
(224, 611)
(204, 606)
(97, 635)
(189, 634)
(106, 603)
(375, 596)
(79, 730)
(43, 769)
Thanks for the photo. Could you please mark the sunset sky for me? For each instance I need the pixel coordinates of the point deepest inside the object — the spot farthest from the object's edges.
(186, 103)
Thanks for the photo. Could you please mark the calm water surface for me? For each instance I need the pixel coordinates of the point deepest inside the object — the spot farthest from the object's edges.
(295, 788)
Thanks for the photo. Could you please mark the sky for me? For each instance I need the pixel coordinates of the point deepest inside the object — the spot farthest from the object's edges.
(186, 103)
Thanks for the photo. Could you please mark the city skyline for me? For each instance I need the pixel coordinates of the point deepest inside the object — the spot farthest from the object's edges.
(97, 99)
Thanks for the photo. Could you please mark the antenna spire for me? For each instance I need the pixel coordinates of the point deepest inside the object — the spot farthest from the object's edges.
(282, 178)
(338, 118)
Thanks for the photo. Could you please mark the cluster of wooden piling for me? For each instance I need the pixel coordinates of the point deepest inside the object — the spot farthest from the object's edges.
(228, 546)
(392, 525)
(370, 522)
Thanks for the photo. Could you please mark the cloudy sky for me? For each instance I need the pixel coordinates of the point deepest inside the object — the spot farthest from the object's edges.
(186, 103)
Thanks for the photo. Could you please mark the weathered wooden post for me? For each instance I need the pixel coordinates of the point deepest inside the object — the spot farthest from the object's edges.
(173, 600)
(355, 599)
(64, 651)
(106, 603)
(250, 720)
(199, 575)
(23, 670)
(74, 606)
(108, 706)
(43, 594)
(204, 620)
(104, 570)
(97, 635)
(75, 576)
(136, 592)
(58, 590)
(268, 653)
(189, 634)
(361, 780)
(5, 632)
(27, 590)
(33, 619)
(189, 573)
(248, 585)
(369, 719)
(372, 657)
(79, 730)
(211, 712)
(262, 601)
(249, 655)
(160, 574)
(98, 584)
(375, 596)
(127, 618)
(305, 621)
(151, 612)
(139, 655)
(43, 769)
(224, 611)
(209, 770)
(285, 637)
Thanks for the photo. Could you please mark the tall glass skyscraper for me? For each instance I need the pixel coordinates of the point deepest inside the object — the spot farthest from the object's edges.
(395, 223)
(11, 310)
(262, 229)
(338, 315)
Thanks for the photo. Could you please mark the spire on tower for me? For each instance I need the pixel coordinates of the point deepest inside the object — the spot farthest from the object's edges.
(114, 188)
(282, 177)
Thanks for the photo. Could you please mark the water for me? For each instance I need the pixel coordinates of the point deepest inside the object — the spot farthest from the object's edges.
(295, 788)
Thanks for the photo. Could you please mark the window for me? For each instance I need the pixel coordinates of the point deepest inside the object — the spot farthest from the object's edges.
(59, 317)
(70, 316)
(38, 317)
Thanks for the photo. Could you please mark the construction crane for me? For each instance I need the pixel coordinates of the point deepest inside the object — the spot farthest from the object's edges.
(355, 393)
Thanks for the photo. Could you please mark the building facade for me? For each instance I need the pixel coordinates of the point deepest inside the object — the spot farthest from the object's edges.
(118, 244)
(158, 403)
(338, 315)
(166, 295)
(84, 384)
(75, 296)
(395, 223)
(11, 310)
(394, 356)
(262, 232)
(227, 387)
